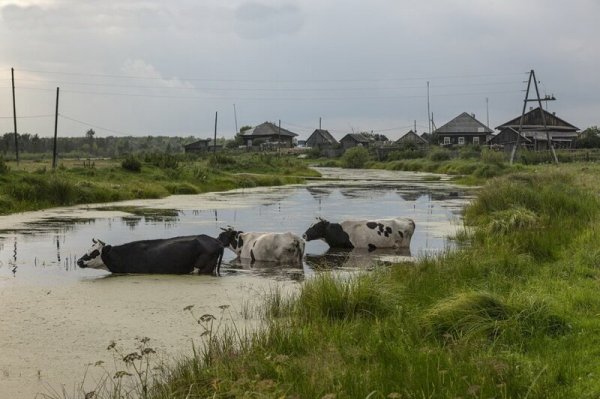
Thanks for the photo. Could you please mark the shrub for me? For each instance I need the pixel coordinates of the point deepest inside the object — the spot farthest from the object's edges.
(132, 164)
(162, 160)
(492, 157)
(220, 159)
(355, 158)
(4, 168)
(440, 154)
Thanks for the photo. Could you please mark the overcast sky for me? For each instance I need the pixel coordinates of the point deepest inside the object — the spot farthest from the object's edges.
(146, 67)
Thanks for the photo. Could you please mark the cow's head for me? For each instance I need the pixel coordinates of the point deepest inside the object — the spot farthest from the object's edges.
(93, 258)
(316, 231)
(230, 238)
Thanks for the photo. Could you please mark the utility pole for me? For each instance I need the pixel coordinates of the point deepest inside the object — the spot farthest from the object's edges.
(235, 118)
(12, 73)
(54, 152)
(415, 126)
(487, 111)
(539, 101)
(319, 123)
(279, 138)
(428, 111)
(215, 138)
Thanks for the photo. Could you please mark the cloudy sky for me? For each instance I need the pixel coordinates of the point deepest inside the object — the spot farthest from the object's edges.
(143, 67)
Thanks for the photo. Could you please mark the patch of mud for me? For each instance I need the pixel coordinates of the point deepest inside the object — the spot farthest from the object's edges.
(51, 335)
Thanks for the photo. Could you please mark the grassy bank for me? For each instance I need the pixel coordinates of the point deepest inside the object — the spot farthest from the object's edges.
(33, 185)
(512, 315)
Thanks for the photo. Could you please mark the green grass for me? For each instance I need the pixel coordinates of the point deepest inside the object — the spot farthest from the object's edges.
(34, 185)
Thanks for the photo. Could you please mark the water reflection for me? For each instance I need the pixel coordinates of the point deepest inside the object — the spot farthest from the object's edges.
(46, 249)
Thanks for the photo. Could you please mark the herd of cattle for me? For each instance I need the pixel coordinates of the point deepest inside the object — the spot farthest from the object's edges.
(182, 255)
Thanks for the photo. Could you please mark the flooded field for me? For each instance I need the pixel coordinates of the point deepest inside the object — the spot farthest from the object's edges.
(56, 318)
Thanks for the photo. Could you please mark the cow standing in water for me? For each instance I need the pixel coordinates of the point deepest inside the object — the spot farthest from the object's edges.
(370, 234)
(265, 247)
(178, 255)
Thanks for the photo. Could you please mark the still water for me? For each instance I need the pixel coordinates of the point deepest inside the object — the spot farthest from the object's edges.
(44, 249)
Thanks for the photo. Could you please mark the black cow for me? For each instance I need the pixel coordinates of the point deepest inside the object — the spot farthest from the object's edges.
(178, 255)
(370, 234)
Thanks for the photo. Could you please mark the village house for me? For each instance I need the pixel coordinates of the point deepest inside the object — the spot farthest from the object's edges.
(321, 139)
(202, 145)
(412, 138)
(268, 133)
(507, 139)
(354, 139)
(462, 130)
(561, 133)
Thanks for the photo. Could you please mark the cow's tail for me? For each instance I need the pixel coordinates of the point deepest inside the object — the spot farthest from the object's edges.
(218, 268)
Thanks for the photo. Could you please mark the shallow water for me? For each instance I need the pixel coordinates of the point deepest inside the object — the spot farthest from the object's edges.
(55, 317)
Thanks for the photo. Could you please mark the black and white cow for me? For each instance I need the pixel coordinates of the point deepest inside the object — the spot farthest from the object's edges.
(178, 255)
(265, 247)
(370, 234)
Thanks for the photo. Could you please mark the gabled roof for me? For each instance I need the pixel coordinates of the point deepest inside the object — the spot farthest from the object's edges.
(268, 129)
(464, 123)
(358, 137)
(412, 136)
(512, 133)
(532, 120)
(327, 137)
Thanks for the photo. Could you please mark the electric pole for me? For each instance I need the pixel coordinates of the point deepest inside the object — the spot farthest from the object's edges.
(54, 152)
(428, 111)
(215, 137)
(12, 73)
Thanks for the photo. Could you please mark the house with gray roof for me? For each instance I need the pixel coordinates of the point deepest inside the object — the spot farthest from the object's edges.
(354, 139)
(462, 130)
(561, 132)
(270, 133)
(321, 138)
(412, 138)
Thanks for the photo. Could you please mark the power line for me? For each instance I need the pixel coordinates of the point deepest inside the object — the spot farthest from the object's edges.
(27, 116)
(274, 80)
(94, 126)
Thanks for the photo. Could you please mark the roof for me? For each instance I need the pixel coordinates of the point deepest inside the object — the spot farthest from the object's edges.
(509, 131)
(464, 123)
(325, 135)
(412, 136)
(201, 143)
(358, 137)
(268, 129)
(532, 120)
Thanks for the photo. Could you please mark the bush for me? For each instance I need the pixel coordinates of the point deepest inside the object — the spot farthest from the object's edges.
(492, 157)
(132, 164)
(355, 158)
(440, 154)
(162, 160)
(4, 168)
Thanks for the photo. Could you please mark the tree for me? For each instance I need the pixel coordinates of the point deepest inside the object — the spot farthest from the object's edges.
(589, 138)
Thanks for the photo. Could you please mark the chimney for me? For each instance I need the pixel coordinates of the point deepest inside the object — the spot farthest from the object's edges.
(473, 116)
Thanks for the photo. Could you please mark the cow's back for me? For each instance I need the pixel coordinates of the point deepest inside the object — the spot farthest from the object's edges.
(272, 247)
(379, 233)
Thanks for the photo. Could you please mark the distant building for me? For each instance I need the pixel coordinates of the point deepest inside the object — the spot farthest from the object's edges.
(321, 139)
(270, 134)
(202, 145)
(354, 139)
(507, 139)
(463, 130)
(562, 133)
(412, 138)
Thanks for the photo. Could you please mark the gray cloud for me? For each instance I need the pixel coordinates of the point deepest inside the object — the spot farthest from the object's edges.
(257, 21)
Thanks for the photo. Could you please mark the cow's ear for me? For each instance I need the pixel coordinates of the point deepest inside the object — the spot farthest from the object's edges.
(94, 240)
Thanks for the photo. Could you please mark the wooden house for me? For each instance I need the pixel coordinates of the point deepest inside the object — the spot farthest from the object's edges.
(412, 138)
(321, 139)
(354, 139)
(562, 133)
(269, 134)
(507, 139)
(462, 130)
(202, 145)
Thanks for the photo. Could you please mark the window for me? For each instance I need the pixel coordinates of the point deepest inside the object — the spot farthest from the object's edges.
(475, 140)
(461, 141)
(446, 140)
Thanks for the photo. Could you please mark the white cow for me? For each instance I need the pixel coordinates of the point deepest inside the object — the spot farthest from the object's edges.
(265, 247)
(371, 234)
